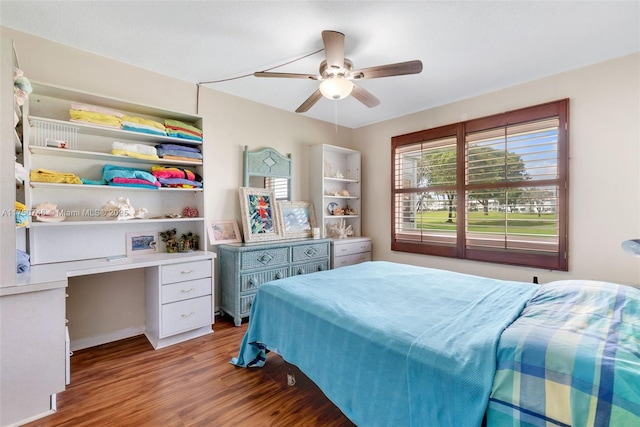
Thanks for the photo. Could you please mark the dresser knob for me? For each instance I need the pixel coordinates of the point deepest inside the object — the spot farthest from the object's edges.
(253, 282)
(278, 275)
(300, 271)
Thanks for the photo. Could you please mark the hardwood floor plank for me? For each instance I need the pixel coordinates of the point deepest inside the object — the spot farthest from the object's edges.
(128, 383)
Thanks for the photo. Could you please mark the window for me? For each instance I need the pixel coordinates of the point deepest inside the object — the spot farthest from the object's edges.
(492, 189)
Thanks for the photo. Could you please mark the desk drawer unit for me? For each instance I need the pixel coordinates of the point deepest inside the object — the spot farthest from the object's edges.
(350, 251)
(246, 266)
(179, 301)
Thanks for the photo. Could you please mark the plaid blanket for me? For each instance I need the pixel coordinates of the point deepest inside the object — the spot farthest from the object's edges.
(571, 359)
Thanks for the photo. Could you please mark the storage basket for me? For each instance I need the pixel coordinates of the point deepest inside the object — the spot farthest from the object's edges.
(58, 135)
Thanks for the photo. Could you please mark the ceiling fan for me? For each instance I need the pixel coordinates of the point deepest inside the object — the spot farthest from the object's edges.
(337, 75)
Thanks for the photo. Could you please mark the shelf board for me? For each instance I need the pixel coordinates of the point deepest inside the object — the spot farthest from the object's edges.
(334, 179)
(328, 196)
(92, 223)
(103, 131)
(50, 185)
(340, 216)
(79, 154)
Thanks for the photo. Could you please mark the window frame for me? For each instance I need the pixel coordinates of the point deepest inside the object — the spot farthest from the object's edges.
(528, 258)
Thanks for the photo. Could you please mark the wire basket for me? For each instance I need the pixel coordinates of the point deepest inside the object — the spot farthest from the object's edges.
(58, 135)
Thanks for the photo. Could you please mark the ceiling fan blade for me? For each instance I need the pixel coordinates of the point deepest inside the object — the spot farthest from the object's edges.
(286, 75)
(364, 96)
(333, 49)
(398, 69)
(315, 96)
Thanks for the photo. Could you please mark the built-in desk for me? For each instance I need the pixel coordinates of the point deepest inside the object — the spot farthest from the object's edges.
(34, 355)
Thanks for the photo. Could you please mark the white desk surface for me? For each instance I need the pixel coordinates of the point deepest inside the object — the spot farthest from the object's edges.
(51, 276)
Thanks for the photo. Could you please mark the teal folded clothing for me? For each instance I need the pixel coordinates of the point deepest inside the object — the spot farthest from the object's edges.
(93, 182)
(178, 134)
(143, 130)
(111, 171)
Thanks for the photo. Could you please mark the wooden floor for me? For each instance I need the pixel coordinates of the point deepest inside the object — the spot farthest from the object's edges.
(128, 383)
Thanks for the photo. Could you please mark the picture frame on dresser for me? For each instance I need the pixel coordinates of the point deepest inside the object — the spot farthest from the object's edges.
(142, 243)
(223, 231)
(297, 219)
(258, 210)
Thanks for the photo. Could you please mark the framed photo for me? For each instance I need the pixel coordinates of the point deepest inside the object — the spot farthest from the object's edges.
(142, 243)
(258, 209)
(297, 219)
(226, 231)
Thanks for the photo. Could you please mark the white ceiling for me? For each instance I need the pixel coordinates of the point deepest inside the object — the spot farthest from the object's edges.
(467, 48)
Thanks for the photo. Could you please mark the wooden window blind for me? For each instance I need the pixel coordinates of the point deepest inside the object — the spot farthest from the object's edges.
(491, 189)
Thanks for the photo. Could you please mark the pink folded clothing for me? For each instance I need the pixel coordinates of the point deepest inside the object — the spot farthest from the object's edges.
(135, 181)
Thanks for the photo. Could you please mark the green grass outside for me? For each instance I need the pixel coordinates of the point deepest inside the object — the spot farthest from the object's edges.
(494, 222)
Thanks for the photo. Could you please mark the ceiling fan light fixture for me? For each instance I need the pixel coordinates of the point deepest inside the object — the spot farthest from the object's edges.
(336, 88)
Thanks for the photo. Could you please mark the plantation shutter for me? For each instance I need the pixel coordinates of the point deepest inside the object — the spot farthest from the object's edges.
(279, 185)
(511, 200)
(491, 189)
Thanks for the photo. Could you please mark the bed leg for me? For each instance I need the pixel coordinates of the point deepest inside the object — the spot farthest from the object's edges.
(291, 379)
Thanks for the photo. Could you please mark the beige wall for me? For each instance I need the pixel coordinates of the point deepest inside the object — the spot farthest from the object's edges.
(604, 170)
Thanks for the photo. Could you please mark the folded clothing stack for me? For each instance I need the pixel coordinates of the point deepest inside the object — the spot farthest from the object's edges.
(140, 151)
(179, 152)
(96, 115)
(22, 261)
(179, 129)
(129, 177)
(138, 124)
(176, 177)
(22, 215)
(44, 175)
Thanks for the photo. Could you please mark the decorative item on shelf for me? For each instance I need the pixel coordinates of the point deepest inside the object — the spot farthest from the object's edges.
(632, 246)
(119, 209)
(338, 211)
(339, 230)
(140, 213)
(170, 240)
(350, 211)
(21, 86)
(327, 168)
(48, 212)
(345, 193)
(190, 212)
(339, 175)
(331, 208)
(188, 242)
(142, 243)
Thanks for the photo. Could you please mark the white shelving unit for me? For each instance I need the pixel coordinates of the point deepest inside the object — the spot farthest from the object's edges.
(334, 175)
(84, 234)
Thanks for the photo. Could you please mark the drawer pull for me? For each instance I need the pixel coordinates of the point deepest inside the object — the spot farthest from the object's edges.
(186, 291)
(320, 268)
(343, 250)
(253, 282)
(310, 252)
(184, 316)
(265, 258)
(278, 275)
(300, 271)
(187, 271)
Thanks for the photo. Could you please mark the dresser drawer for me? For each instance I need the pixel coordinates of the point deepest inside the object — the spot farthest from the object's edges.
(311, 267)
(340, 249)
(186, 315)
(252, 281)
(245, 304)
(343, 261)
(264, 258)
(310, 252)
(185, 290)
(186, 271)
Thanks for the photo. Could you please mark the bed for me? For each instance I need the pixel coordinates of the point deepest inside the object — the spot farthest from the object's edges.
(399, 345)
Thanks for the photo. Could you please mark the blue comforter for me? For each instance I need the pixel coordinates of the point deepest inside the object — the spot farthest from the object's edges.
(389, 344)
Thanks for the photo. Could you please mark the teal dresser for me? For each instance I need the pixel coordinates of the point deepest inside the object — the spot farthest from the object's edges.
(246, 266)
